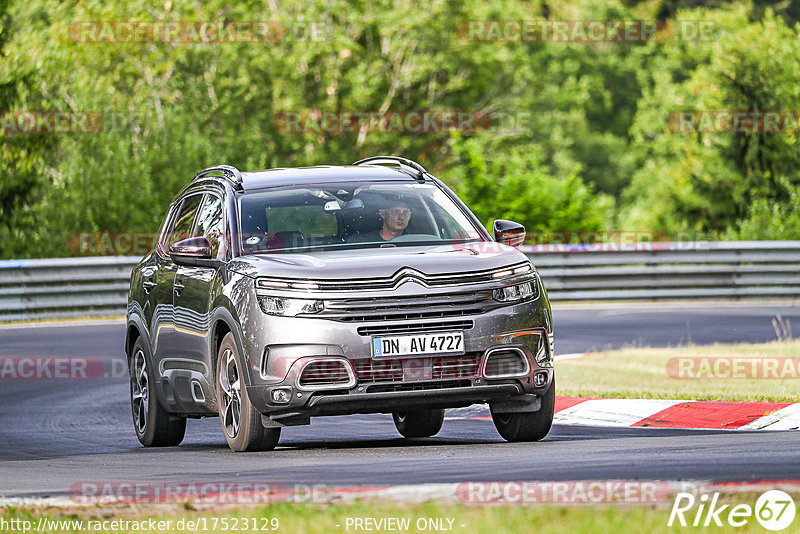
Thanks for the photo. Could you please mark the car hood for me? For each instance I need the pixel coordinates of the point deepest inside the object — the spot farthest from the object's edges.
(379, 262)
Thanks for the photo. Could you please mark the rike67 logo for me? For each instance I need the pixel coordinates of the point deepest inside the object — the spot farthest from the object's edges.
(774, 510)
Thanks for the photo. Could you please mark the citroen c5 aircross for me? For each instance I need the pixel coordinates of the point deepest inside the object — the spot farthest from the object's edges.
(275, 296)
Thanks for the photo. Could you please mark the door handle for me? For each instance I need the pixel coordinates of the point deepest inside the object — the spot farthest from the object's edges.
(179, 287)
(148, 286)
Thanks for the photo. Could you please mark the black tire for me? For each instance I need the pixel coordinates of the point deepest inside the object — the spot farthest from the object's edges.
(243, 430)
(533, 426)
(419, 423)
(154, 426)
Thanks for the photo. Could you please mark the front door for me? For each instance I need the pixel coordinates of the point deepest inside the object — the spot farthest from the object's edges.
(194, 288)
(166, 339)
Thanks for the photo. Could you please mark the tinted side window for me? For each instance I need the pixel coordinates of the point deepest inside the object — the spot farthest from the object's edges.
(166, 228)
(210, 222)
(183, 224)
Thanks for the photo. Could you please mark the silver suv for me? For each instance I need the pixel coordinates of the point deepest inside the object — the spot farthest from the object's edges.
(275, 296)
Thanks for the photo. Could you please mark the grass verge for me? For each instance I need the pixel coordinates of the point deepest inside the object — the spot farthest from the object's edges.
(644, 373)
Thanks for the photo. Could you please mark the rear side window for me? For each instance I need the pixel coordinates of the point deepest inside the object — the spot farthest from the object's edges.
(183, 224)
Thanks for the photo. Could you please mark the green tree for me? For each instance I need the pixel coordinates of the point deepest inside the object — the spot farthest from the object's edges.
(706, 181)
(23, 166)
(519, 187)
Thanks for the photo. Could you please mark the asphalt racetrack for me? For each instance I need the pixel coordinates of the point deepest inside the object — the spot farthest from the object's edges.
(58, 433)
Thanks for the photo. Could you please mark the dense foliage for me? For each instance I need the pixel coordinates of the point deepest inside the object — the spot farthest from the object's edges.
(580, 138)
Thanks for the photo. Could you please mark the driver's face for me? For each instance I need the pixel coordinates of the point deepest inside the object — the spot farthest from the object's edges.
(396, 218)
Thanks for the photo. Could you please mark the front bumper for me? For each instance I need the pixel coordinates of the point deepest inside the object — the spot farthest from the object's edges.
(382, 402)
(278, 348)
(381, 396)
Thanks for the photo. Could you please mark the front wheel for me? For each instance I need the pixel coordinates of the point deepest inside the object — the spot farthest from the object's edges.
(528, 426)
(240, 421)
(419, 423)
(154, 426)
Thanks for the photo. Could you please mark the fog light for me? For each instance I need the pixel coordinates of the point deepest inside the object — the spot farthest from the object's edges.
(539, 379)
(281, 395)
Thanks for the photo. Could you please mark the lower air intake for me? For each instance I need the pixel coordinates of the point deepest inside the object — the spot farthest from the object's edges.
(324, 374)
(504, 363)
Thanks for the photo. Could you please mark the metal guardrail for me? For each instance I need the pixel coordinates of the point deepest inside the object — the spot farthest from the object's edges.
(670, 270)
(64, 287)
(92, 286)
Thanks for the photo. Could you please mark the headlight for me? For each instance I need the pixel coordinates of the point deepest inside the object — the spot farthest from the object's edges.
(517, 292)
(289, 307)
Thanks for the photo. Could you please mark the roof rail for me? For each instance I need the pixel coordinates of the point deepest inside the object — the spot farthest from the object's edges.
(229, 172)
(418, 170)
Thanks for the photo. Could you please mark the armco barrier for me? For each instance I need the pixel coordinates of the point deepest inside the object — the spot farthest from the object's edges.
(64, 287)
(670, 270)
(75, 287)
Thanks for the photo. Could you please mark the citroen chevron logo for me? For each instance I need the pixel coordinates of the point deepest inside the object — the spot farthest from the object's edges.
(408, 274)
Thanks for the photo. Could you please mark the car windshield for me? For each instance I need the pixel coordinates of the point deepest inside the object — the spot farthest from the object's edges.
(350, 215)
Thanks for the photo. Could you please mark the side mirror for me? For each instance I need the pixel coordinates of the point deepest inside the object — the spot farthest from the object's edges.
(508, 232)
(192, 251)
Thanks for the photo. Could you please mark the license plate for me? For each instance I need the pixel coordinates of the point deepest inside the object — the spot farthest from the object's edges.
(417, 344)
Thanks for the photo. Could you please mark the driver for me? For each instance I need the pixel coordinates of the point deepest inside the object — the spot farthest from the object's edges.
(395, 216)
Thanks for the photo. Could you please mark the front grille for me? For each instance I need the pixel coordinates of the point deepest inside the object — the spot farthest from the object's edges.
(415, 369)
(418, 386)
(379, 309)
(324, 373)
(505, 363)
(411, 316)
(438, 326)
(406, 274)
(369, 370)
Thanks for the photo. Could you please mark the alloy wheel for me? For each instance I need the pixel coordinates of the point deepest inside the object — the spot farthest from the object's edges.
(231, 385)
(140, 391)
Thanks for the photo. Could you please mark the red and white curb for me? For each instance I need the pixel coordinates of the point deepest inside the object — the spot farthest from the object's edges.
(656, 413)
